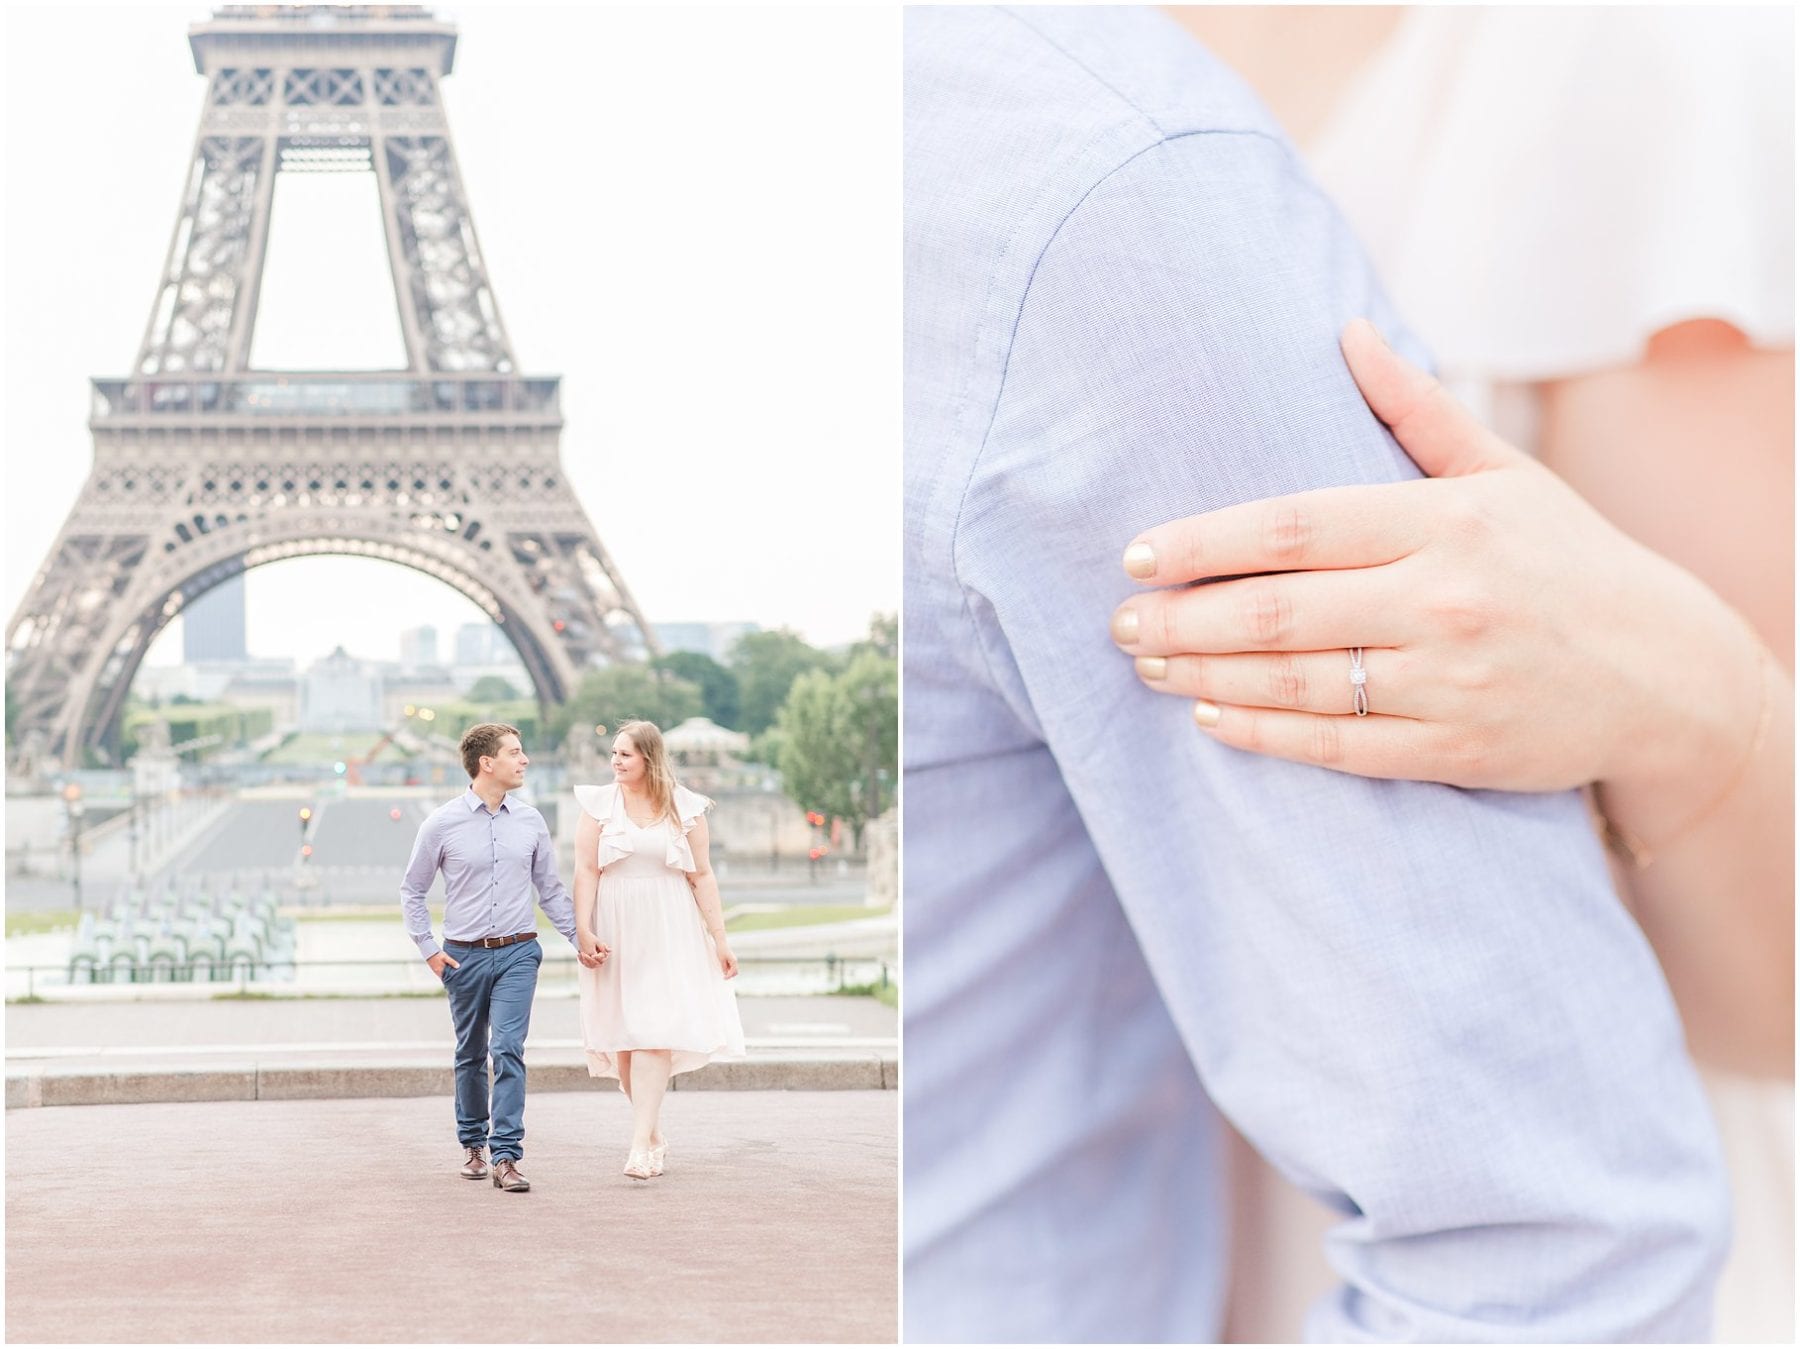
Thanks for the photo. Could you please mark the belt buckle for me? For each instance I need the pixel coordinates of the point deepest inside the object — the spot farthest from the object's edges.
(491, 942)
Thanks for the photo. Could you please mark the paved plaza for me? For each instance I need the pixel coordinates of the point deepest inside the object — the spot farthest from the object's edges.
(345, 1220)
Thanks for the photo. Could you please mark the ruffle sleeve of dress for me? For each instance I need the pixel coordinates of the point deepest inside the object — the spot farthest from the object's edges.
(1542, 189)
(689, 807)
(607, 806)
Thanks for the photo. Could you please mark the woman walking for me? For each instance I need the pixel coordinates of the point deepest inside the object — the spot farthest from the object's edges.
(645, 891)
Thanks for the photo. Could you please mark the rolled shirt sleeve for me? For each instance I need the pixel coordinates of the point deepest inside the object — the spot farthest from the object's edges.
(1424, 1005)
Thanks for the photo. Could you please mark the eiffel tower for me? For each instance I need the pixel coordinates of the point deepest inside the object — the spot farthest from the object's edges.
(204, 468)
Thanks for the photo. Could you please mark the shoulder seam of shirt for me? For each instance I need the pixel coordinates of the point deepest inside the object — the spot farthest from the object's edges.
(962, 498)
(1074, 60)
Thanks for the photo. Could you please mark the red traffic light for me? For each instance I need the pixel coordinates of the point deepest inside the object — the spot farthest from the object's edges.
(817, 853)
(394, 814)
(306, 850)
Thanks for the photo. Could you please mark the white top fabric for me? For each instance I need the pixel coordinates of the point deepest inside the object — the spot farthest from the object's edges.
(1541, 189)
(607, 805)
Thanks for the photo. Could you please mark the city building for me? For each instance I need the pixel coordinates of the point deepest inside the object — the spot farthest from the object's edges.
(266, 683)
(709, 639)
(269, 682)
(418, 647)
(212, 627)
(340, 693)
(483, 644)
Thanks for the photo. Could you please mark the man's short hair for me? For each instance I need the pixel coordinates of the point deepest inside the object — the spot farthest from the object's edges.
(480, 740)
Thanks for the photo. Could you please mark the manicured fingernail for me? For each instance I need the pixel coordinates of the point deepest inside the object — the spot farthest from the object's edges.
(1140, 561)
(1152, 667)
(1125, 627)
(1206, 715)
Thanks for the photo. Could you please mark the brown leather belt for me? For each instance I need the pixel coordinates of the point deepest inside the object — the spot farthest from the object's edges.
(492, 941)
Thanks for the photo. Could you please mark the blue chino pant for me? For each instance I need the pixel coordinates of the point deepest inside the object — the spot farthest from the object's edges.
(490, 1006)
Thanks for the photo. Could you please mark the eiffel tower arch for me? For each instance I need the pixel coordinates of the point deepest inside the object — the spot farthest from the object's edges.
(204, 467)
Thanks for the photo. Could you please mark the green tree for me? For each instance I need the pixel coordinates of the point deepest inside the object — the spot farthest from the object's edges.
(872, 686)
(839, 740)
(493, 689)
(816, 752)
(766, 665)
(766, 748)
(883, 638)
(718, 686)
(620, 693)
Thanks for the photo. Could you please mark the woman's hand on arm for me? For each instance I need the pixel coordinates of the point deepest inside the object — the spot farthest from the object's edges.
(1512, 638)
(1515, 638)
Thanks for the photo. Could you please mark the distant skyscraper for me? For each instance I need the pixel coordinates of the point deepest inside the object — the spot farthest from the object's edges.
(482, 644)
(212, 627)
(709, 639)
(418, 646)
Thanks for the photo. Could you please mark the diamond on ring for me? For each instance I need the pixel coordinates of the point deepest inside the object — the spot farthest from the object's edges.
(1359, 680)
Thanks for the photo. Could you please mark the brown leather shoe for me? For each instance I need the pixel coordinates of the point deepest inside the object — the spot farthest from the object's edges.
(474, 1165)
(507, 1177)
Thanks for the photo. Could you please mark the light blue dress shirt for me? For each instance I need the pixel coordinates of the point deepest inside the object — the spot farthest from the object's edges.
(1424, 1005)
(491, 860)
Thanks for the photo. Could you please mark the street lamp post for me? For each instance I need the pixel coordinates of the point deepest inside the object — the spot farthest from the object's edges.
(76, 808)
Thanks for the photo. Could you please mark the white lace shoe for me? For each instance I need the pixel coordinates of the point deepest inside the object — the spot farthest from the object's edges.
(638, 1165)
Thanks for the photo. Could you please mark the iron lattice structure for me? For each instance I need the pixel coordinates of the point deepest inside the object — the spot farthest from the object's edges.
(204, 468)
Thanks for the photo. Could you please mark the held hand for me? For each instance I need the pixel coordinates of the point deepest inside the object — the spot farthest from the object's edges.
(438, 961)
(728, 965)
(1511, 636)
(590, 950)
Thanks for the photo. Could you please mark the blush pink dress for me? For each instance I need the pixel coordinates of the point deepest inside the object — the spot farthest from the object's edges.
(662, 987)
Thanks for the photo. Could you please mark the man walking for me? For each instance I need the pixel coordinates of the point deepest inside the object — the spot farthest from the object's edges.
(492, 849)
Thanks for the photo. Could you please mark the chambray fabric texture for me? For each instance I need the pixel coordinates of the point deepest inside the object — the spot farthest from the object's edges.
(491, 861)
(1424, 1005)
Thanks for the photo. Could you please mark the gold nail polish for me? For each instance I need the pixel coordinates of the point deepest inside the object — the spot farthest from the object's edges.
(1140, 561)
(1206, 714)
(1152, 667)
(1125, 627)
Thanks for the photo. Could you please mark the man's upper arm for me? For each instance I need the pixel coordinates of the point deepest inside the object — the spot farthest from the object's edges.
(1423, 1004)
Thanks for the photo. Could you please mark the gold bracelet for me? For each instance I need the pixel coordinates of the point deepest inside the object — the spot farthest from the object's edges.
(1631, 849)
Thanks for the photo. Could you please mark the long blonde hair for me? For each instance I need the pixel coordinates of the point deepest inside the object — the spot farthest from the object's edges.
(659, 774)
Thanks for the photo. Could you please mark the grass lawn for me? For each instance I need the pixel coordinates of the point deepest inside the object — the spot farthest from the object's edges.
(44, 920)
(795, 915)
(799, 915)
(888, 996)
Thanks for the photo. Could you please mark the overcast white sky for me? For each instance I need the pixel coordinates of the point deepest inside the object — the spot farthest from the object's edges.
(691, 215)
